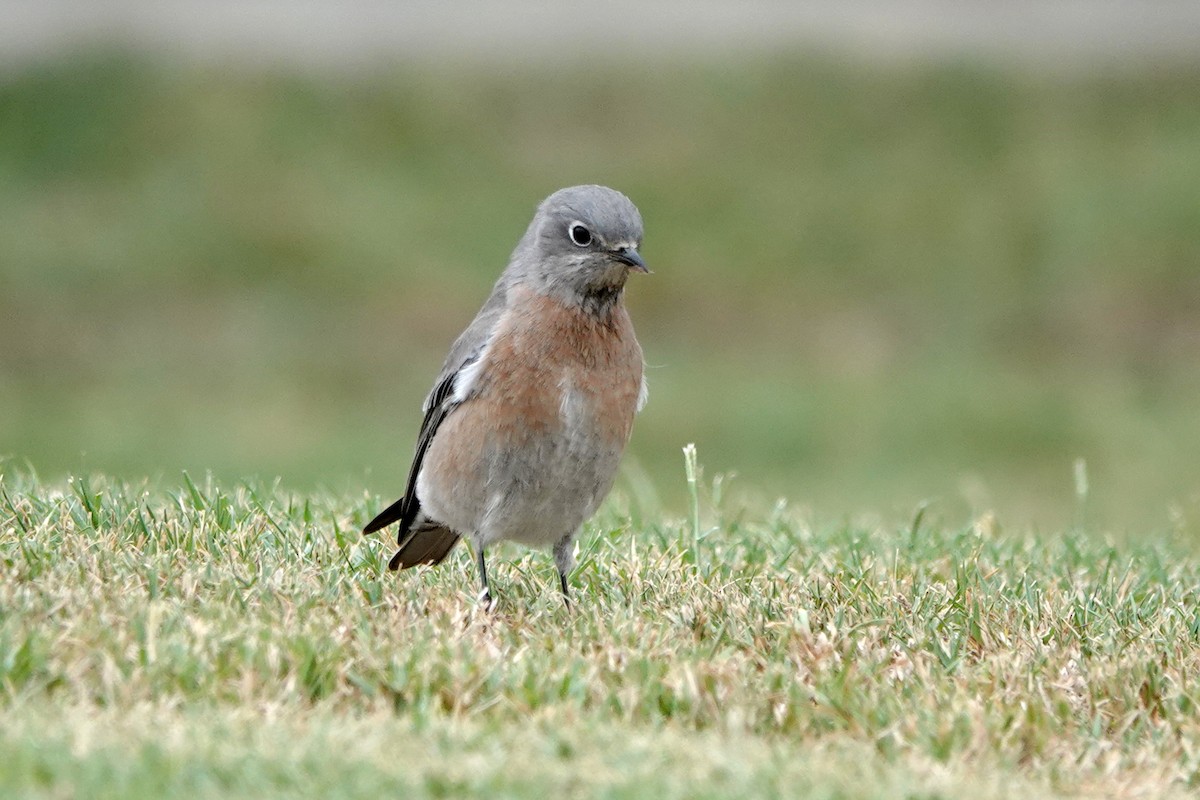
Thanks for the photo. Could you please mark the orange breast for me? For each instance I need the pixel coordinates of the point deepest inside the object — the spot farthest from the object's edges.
(551, 349)
(553, 404)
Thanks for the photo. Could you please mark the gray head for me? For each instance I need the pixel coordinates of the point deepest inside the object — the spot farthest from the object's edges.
(582, 245)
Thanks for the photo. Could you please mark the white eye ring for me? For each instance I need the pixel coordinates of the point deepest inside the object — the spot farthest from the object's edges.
(579, 234)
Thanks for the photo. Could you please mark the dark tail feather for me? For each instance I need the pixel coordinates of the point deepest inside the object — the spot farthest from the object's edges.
(426, 544)
(386, 517)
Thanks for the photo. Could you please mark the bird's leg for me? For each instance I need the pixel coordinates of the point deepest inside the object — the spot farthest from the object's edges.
(564, 559)
(562, 580)
(485, 595)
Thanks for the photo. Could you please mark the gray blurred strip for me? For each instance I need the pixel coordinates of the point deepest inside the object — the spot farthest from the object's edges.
(367, 34)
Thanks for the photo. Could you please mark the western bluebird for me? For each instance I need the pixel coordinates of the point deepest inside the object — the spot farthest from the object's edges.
(525, 425)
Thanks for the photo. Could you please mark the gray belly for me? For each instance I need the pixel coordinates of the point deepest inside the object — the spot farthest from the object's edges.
(536, 491)
(541, 494)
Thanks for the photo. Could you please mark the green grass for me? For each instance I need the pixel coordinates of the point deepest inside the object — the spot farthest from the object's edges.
(874, 286)
(215, 639)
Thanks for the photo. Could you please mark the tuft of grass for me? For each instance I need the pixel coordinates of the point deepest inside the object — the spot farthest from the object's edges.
(208, 638)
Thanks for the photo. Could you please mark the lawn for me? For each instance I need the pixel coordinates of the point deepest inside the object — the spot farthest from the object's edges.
(204, 639)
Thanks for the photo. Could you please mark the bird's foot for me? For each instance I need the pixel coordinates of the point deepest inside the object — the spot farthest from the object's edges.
(485, 600)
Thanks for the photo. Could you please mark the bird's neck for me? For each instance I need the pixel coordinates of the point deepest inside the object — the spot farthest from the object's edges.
(601, 301)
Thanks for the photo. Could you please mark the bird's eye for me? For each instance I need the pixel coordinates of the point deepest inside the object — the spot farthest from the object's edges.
(580, 235)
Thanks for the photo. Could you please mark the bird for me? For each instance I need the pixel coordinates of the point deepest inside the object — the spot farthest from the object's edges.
(525, 425)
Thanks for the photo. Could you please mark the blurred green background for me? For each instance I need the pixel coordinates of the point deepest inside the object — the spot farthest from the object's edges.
(876, 284)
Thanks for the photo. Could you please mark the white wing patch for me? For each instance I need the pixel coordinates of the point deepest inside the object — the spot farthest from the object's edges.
(643, 394)
(468, 376)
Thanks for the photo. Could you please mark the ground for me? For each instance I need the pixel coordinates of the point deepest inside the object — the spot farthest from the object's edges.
(235, 640)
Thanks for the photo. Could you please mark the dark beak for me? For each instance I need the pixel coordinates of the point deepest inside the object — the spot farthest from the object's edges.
(631, 258)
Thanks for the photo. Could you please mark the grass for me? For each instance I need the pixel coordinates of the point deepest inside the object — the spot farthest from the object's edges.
(874, 285)
(216, 639)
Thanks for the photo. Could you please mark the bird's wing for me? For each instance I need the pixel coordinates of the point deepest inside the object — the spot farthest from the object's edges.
(447, 393)
(405, 509)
